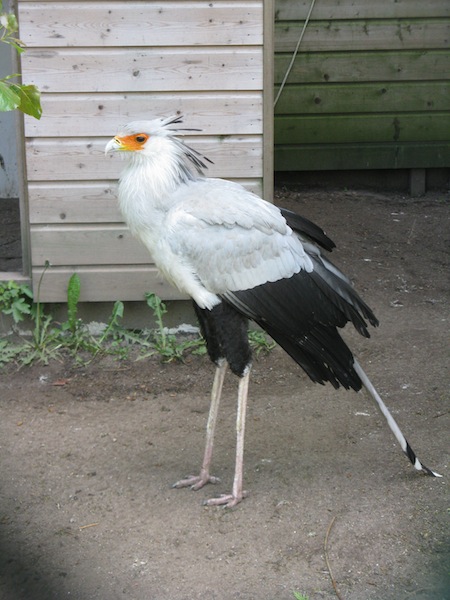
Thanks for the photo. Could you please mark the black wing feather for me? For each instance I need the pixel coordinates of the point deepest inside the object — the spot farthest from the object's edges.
(297, 315)
(303, 313)
(306, 227)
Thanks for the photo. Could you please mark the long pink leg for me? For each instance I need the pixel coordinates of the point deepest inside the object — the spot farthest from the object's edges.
(237, 494)
(198, 481)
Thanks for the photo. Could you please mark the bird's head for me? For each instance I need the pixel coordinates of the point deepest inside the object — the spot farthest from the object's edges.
(156, 141)
(142, 136)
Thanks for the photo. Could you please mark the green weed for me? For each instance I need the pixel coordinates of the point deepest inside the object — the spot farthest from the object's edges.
(259, 342)
(299, 596)
(51, 339)
(16, 300)
(8, 352)
(168, 345)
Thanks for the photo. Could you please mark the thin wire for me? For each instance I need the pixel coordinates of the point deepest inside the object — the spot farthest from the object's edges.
(294, 56)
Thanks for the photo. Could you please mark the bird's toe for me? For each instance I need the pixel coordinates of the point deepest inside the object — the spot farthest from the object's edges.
(225, 500)
(195, 482)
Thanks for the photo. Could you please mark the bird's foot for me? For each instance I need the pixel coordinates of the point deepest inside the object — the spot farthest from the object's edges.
(226, 500)
(196, 482)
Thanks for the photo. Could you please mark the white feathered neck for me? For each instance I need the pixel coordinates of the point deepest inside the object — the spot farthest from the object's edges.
(153, 174)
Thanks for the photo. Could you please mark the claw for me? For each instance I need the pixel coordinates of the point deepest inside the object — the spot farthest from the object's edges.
(226, 500)
(195, 482)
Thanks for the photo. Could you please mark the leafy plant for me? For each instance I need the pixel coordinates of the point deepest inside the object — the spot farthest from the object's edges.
(167, 344)
(73, 297)
(8, 352)
(26, 98)
(299, 596)
(45, 343)
(16, 300)
(50, 338)
(259, 342)
(114, 339)
(73, 333)
(76, 336)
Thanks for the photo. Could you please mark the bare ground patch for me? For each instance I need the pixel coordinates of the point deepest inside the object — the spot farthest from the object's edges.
(87, 511)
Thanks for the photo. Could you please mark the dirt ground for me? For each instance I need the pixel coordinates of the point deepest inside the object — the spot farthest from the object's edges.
(88, 454)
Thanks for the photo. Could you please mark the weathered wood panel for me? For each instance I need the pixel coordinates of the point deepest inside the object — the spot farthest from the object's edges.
(292, 10)
(144, 70)
(324, 157)
(400, 127)
(78, 115)
(370, 73)
(339, 36)
(72, 159)
(363, 67)
(101, 64)
(105, 283)
(326, 98)
(84, 202)
(146, 24)
(73, 244)
(73, 202)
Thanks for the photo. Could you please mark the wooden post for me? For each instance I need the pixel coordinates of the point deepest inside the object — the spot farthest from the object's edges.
(417, 182)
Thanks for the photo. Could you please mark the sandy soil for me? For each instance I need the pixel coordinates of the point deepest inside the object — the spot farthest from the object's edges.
(88, 454)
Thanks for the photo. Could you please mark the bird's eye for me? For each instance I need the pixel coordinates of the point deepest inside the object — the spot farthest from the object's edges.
(141, 138)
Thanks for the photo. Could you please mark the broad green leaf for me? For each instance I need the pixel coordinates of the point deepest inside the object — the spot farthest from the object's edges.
(118, 310)
(9, 98)
(30, 99)
(73, 296)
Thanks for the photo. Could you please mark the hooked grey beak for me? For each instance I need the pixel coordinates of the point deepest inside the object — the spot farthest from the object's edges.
(112, 145)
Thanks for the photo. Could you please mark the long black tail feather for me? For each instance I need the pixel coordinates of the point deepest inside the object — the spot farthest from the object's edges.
(392, 423)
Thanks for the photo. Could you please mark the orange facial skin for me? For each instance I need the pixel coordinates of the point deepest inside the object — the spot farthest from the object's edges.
(132, 143)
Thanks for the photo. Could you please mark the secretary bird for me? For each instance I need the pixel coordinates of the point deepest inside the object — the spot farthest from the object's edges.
(239, 257)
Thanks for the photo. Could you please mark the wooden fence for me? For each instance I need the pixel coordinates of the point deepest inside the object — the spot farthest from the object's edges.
(101, 64)
(369, 88)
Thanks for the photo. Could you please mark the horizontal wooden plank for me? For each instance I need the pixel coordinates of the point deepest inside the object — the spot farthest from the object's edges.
(14, 276)
(119, 23)
(377, 97)
(361, 9)
(86, 245)
(400, 127)
(327, 36)
(104, 284)
(81, 114)
(324, 157)
(63, 202)
(76, 159)
(86, 202)
(144, 70)
(334, 67)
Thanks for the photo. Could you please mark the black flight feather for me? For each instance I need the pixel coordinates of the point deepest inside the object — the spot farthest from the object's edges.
(306, 227)
(295, 313)
(302, 313)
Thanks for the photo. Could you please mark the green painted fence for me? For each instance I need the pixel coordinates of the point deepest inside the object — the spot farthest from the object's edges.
(370, 86)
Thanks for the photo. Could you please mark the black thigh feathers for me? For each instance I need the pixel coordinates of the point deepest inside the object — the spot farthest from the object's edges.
(225, 333)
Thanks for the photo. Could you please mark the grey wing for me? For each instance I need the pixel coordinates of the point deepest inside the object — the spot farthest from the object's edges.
(231, 239)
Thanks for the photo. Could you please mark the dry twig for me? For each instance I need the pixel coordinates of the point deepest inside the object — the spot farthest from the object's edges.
(86, 526)
(325, 547)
